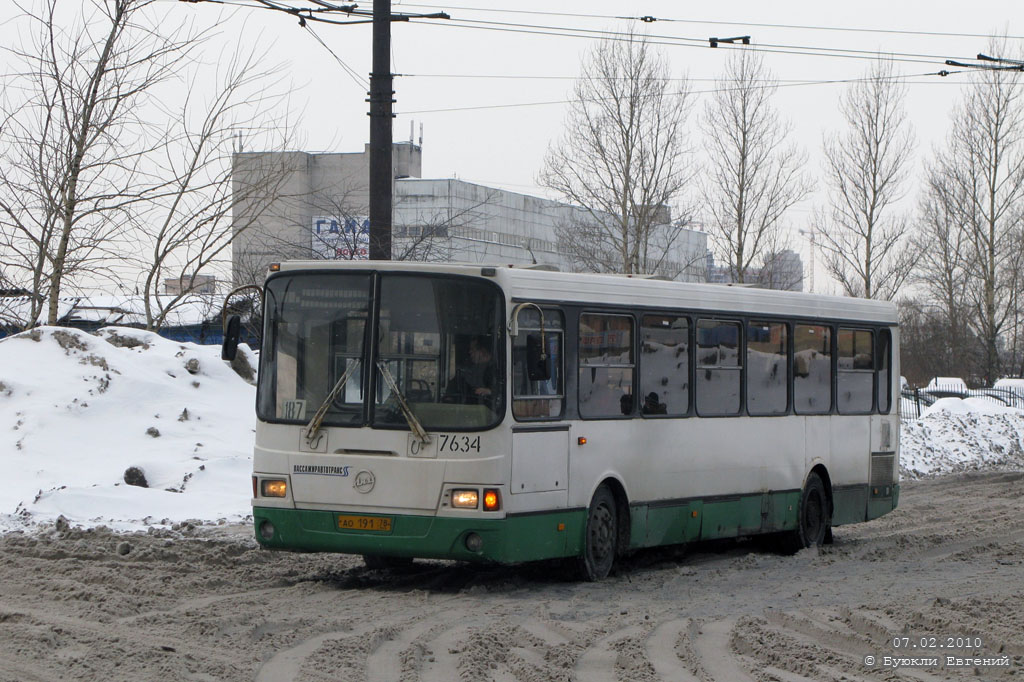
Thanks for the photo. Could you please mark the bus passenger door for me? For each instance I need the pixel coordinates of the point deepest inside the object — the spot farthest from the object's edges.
(540, 461)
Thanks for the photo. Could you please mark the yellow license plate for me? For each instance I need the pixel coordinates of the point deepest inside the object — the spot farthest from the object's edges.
(380, 524)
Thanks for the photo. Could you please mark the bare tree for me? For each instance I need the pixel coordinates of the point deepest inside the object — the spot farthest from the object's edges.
(623, 158)
(74, 144)
(942, 268)
(866, 167)
(185, 231)
(753, 175)
(978, 179)
(933, 345)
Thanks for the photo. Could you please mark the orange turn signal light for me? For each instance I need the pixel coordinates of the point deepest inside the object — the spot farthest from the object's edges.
(492, 501)
(582, 440)
(275, 267)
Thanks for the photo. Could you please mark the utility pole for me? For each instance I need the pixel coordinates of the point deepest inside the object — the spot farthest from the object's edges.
(381, 98)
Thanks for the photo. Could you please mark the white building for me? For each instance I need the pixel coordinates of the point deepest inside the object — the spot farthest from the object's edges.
(784, 270)
(323, 205)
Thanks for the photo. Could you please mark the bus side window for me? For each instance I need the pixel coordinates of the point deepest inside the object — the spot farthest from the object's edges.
(884, 371)
(538, 394)
(812, 369)
(606, 365)
(664, 365)
(767, 379)
(718, 368)
(856, 364)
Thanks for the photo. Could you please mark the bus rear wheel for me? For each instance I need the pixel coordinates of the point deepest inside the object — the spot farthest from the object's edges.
(600, 536)
(814, 523)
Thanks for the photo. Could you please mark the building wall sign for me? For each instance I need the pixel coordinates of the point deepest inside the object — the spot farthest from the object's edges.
(341, 238)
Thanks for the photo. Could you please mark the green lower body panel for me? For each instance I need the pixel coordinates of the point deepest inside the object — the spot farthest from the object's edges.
(718, 517)
(885, 502)
(849, 504)
(559, 533)
(768, 512)
(652, 525)
(528, 537)
(854, 504)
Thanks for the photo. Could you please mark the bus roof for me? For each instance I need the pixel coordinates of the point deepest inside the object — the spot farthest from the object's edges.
(541, 284)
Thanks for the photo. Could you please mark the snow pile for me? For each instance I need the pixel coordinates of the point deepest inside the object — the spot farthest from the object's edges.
(80, 413)
(955, 435)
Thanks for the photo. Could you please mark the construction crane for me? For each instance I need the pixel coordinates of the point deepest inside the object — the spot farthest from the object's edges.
(812, 232)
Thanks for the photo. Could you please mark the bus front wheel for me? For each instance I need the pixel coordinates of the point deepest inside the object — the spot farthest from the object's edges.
(600, 537)
(814, 522)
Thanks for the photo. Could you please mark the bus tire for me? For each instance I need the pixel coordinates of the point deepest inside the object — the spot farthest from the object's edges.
(813, 522)
(600, 538)
(376, 562)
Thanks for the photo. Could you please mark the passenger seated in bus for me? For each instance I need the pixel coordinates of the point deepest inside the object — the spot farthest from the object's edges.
(652, 405)
(473, 383)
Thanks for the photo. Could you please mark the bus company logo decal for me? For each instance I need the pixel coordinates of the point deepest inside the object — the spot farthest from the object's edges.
(364, 482)
(320, 470)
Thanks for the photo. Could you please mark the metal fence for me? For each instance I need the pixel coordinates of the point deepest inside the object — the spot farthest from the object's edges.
(914, 401)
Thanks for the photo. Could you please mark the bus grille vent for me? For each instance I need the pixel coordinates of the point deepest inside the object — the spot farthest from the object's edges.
(881, 470)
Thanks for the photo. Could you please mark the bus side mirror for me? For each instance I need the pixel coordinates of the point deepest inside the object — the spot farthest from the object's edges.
(232, 332)
(536, 359)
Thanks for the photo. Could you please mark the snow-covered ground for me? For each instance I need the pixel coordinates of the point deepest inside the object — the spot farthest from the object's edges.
(78, 410)
(962, 435)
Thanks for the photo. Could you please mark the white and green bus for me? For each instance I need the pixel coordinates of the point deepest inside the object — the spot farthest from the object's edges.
(514, 414)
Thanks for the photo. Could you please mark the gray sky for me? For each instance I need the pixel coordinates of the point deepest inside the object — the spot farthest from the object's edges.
(524, 79)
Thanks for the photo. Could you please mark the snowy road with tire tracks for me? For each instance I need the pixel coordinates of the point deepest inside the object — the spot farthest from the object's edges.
(206, 604)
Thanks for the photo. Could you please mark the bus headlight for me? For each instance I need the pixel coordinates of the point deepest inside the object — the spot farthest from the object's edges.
(465, 499)
(273, 487)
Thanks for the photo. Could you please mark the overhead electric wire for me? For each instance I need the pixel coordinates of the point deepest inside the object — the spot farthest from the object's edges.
(303, 14)
(780, 81)
(314, 14)
(568, 31)
(702, 43)
(352, 73)
(713, 22)
(838, 81)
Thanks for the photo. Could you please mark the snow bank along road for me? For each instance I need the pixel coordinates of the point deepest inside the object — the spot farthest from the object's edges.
(205, 604)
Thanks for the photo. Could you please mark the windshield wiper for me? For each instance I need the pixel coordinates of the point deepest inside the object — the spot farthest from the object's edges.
(410, 418)
(318, 418)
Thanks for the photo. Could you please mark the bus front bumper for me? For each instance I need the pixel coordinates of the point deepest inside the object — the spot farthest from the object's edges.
(512, 539)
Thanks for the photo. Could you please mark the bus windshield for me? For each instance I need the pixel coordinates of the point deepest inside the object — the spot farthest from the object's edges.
(437, 339)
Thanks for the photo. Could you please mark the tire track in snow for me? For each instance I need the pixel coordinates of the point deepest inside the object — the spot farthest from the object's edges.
(661, 652)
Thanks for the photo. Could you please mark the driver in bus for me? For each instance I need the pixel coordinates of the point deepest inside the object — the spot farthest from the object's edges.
(473, 383)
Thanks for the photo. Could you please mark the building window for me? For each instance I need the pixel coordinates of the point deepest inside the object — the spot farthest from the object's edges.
(664, 365)
(605, 365)
(767, 375)
(718, 368)
(812, 369)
